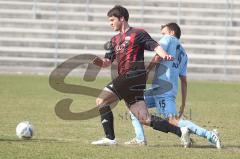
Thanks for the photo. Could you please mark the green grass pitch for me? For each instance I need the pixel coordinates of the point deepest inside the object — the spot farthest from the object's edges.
(214, 105)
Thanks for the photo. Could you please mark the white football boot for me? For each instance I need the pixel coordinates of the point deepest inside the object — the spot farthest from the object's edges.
(214, 139)
(136, 141)
(105, 141)
(185, 138)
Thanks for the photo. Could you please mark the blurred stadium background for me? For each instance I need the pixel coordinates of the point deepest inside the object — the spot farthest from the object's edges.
(37, 35)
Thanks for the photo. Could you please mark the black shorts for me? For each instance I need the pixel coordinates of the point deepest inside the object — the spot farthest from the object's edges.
(129, 87)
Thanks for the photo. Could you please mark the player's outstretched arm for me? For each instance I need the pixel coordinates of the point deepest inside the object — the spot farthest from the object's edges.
(162, 53)
(101, 62)
(183, 80)
(153, 63)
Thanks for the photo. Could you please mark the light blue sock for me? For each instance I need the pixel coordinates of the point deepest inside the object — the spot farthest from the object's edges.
(195, 128)
(137, 127)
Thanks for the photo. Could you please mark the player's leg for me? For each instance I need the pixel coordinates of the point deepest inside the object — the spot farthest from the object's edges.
(139, 131)
(139, 109)
(118, 89)
(145, 118)
(139, 139)
(212, 136)
(106, 97)
(167, 107)
(160, 124)
(135, 84)
(194, 128)
(150, 103)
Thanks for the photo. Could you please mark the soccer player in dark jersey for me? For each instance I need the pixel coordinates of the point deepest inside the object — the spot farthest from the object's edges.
(127, 48)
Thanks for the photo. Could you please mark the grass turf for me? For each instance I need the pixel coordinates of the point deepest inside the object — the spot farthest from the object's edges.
(213, 104)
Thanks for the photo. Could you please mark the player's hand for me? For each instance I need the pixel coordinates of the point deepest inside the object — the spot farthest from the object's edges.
(169, 58)
(106, 62)
(156, 58)
(181, 111)
(101, 62)
(97, 61)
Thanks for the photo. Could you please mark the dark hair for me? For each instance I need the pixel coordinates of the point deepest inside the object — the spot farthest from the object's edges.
(173, 27)
(118, 11)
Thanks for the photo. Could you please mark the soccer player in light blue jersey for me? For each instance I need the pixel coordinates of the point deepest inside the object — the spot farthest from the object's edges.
(163, 91)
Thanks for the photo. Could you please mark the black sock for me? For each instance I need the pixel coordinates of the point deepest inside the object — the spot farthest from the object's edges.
(107, 121)
(160, 124)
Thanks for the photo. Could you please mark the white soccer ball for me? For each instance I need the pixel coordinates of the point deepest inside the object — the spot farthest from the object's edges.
(24, 130)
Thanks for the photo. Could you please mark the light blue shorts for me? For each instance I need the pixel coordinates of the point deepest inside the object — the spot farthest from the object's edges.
(166, 107)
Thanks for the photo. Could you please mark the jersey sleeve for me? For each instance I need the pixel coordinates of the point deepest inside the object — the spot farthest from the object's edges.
(165, 42)
(149, 43)
(183, 70)
(110, 54)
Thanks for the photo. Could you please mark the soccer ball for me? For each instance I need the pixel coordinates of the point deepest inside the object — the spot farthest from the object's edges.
(24, 130)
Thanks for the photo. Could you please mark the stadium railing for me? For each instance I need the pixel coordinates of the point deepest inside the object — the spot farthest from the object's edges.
(41, 34)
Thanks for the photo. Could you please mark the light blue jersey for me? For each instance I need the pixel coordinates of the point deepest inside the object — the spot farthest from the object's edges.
(173, 69)
(164, 88)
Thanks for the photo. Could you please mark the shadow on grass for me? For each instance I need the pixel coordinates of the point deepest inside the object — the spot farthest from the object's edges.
(232, 147)
(164, 145)
(35, 140)
(204, 146)
(180, 146)
(224, 147)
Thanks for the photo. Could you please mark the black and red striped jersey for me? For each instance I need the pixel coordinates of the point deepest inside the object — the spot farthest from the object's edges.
(128, 49)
